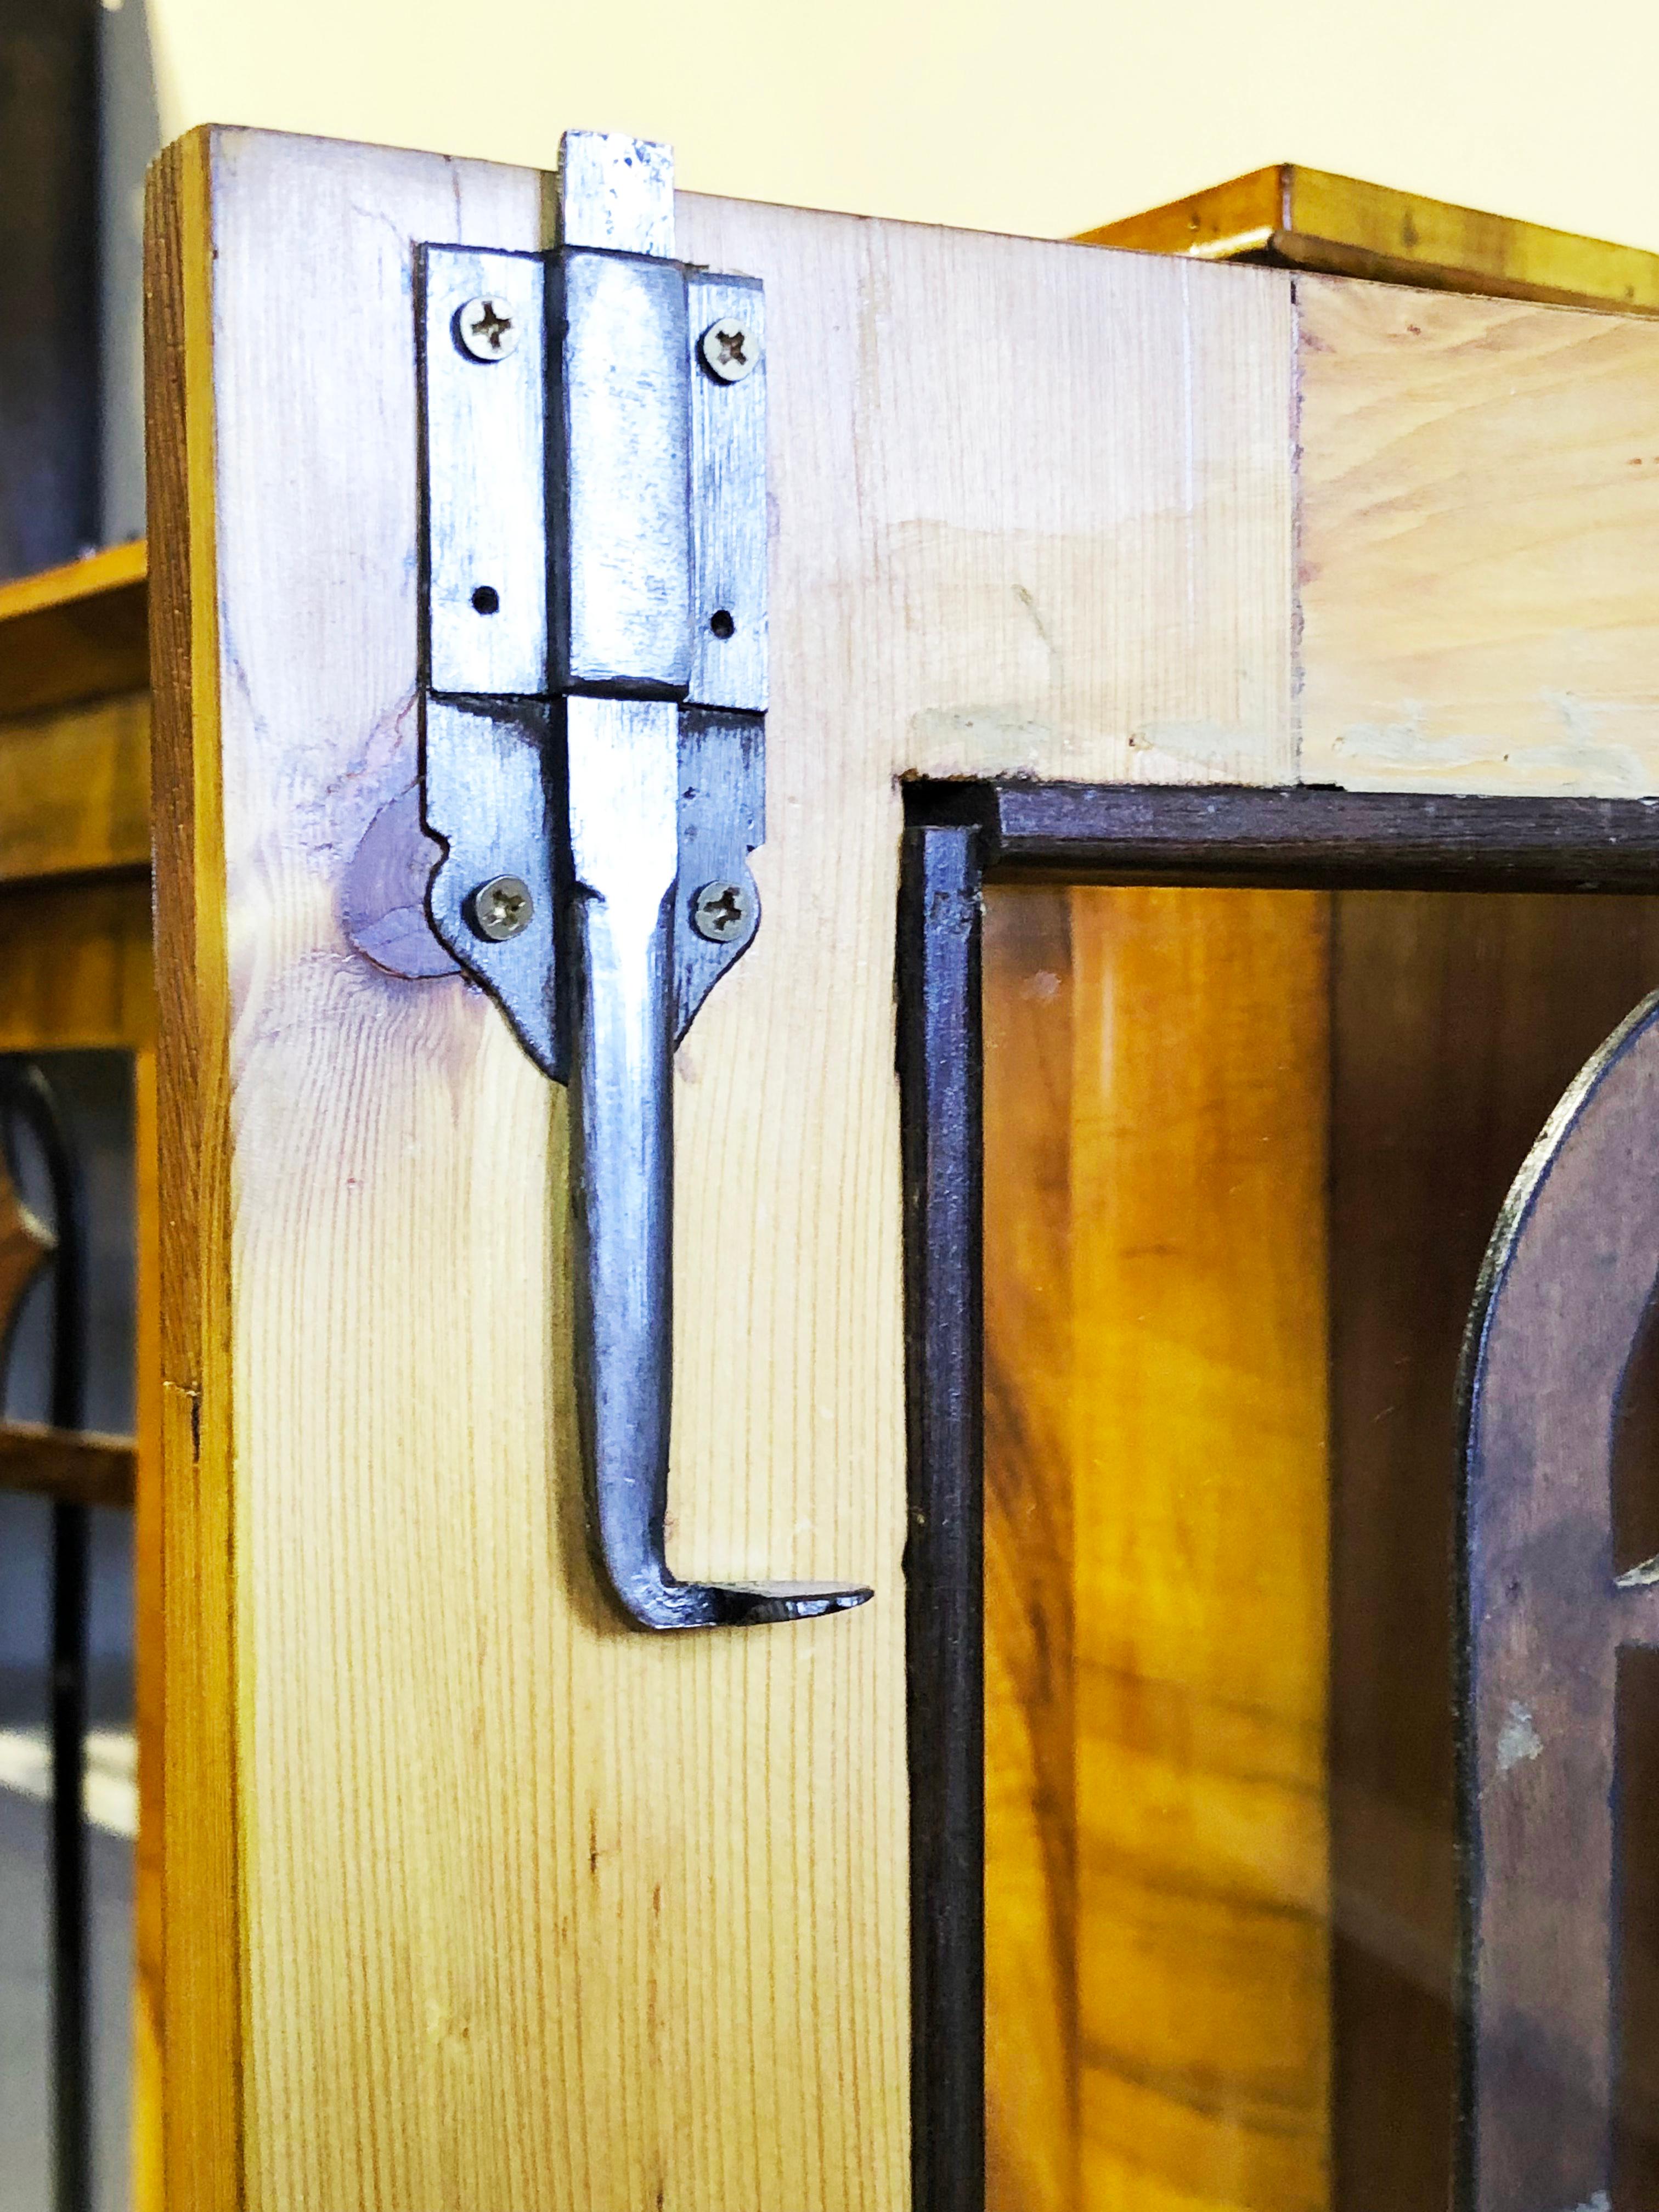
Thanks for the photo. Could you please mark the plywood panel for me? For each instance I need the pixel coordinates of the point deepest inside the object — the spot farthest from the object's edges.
(1478, 544)
(1199, 1529)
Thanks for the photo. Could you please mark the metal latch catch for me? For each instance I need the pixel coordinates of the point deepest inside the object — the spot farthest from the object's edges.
(594, 742)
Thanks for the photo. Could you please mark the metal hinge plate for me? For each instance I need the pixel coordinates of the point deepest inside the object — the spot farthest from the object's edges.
(641, 571)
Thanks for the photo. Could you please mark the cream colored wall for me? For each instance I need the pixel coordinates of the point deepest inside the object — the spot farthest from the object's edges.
(1035, 116)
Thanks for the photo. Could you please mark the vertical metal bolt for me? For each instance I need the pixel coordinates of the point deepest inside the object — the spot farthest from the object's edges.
(723, 912)
(499, 908)
(487, 328)
(729, 350)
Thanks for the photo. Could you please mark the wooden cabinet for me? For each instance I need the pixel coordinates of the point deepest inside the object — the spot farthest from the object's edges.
(76, 983)
(1212, 716)
(482, 1895)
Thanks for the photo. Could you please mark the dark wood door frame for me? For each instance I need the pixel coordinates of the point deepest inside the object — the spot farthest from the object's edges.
(959, 837)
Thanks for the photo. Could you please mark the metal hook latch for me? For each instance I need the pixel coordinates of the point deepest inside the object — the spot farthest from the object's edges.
(593, 749)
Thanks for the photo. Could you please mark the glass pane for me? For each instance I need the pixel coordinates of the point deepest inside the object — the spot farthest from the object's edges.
(1244, 1150)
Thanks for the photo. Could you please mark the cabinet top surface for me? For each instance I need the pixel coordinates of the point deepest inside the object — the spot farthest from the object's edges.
(1291, 216)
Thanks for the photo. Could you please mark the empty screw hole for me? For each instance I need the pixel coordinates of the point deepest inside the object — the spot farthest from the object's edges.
(721, 622)
(486, 599)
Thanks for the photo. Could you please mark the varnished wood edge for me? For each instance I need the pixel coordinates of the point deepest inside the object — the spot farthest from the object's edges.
(1300, 837)
(74, 1468)
(1220, 223)
(1310, 255)
(203, 1943)
(957, 836)
(941, 1088)
(75, 634)
(116, 568)
(1291, 216)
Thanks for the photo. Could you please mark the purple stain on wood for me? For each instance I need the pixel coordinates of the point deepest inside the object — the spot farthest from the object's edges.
(383, 899)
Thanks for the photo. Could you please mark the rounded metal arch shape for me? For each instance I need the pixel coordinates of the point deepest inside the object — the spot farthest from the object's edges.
(1546, 1613)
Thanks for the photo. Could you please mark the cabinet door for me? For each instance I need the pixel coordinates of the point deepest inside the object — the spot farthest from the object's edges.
(1561, 1618)
(477, 1893)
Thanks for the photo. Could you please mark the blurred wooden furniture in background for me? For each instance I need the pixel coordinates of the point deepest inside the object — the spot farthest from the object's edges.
(75, 974)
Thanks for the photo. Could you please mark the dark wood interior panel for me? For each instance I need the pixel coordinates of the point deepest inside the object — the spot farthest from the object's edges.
(1155, 1681)
(1200, 1544)
(1455, 1020)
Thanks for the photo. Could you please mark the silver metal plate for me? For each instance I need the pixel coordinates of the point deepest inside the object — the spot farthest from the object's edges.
(488, 781)
(728, 504)
(722, 818)
(486, 521)
(622, 557)
(616, 193)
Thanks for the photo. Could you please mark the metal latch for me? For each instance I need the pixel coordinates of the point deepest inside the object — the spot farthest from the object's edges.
(594, 742)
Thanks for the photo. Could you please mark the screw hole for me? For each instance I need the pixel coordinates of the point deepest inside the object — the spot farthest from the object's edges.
(722, 623)
(486, 599)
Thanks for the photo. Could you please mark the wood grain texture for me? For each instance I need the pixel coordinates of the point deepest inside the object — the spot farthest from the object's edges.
(1157, 1992)
(75, 790)
(203, 1999)
(1088, 543)
(1199, 1528)
(1031, 1958)
(76, 632)
(1478, 533)
(1291, 216)
(148, 1639)
(441, 1839)
(1304, 837)
(1455, 1021)
(575, 1917)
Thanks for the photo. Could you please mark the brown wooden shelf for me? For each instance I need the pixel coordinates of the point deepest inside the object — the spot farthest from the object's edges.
(70, 1468)
(1294, 217)
(77, 633)
(74, 719)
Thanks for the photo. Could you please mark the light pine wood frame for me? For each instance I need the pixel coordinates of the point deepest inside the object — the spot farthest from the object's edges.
(474, 1897)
